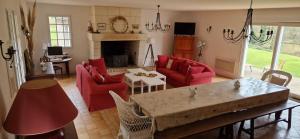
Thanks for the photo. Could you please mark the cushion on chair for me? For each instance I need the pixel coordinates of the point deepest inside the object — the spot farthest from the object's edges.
(162, 61)
(277, 80)
(100, 64)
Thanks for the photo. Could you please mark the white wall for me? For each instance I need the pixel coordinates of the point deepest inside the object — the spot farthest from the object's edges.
(6, 75)
(217, 46)
(163, 40)
(80, 16)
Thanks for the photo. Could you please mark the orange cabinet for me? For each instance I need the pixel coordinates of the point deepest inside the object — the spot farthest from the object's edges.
(184, 46)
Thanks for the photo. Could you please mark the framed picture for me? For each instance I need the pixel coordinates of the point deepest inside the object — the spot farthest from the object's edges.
(101, 26)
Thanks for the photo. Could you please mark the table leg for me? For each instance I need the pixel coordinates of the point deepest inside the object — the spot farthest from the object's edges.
(156, 87)
(252, 129)
(241, 128)
(277, 115)
(229, 131)
(132, 88)
(165, 86)
(67, 68)
(290, 119)
(149, 88)
(142, 87)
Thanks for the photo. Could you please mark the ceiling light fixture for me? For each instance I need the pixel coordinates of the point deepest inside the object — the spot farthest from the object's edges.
(264, 36)
(157, 26)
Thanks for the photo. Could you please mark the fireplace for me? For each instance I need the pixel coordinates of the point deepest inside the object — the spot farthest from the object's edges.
(118, 53)
(120, 45)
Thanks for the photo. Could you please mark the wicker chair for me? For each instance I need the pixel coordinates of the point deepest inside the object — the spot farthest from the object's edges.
(132, 126)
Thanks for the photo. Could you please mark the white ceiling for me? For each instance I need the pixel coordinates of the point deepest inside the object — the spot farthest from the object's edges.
(183, 5)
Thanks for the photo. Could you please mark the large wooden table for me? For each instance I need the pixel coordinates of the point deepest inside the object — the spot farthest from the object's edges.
(175, 107)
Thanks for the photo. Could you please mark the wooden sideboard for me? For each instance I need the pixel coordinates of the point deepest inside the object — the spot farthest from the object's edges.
(184, 46)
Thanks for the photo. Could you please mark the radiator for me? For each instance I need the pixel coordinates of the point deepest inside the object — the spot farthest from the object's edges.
(225, 67)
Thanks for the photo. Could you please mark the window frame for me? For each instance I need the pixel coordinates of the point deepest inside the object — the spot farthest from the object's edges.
(70, 28)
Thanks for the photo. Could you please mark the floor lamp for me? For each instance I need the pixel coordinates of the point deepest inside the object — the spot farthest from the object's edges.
(150, 48)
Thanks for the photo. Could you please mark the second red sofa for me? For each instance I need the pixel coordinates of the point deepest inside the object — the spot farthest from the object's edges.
(184, 72)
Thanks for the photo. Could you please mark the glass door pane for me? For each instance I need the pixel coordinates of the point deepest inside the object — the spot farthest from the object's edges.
(259, 56)
(289, 57)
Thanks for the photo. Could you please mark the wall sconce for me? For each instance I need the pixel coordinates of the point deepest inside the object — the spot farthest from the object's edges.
(10, 52)
(209, 29)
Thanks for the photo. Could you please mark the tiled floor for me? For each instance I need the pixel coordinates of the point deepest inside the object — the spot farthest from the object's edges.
(104, 124)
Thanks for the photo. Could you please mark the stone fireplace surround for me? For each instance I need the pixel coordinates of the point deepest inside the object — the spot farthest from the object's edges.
(104, 14)
(139, 44)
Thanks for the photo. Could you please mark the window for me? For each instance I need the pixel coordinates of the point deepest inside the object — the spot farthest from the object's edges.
(60, 31)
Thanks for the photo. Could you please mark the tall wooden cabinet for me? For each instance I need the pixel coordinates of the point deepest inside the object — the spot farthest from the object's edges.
(184, 46)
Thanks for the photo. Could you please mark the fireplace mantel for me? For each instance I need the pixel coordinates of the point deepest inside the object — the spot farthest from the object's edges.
(139, 48)
(116, 37)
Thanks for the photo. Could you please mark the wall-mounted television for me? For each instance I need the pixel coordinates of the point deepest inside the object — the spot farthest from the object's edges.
(184, 28)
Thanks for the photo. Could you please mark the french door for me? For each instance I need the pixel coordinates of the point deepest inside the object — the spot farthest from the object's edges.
(282, 52)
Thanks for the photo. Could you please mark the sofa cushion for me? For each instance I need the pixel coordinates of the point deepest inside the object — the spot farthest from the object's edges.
(176, 64)
(100, 64)
(162, 61)
(195, 69)
(169, 64)
(113, 79)
(173, 75)
(97, 77)
(178, 77)
(85, 64)
(166, 71)
(184, 67)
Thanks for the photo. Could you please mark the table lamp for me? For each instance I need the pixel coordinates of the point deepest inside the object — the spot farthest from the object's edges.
(40, 107)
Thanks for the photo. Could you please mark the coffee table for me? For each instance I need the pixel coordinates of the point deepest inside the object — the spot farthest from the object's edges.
(134, 81)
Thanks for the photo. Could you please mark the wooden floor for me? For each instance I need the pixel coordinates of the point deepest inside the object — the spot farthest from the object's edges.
(104, 124)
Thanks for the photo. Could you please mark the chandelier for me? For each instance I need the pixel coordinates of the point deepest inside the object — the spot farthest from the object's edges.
(157, 26)
(263, 37)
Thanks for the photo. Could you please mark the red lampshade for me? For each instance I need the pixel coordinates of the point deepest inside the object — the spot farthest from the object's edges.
(41, 106)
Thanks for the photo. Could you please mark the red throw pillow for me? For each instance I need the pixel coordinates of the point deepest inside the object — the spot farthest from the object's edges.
(195, 69)
(184, 67)
(97, 77)
(162, 61)
(176, 64)
(84, 64)
(100, 64)
(113, 79)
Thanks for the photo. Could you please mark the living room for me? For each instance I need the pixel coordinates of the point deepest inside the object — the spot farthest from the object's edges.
(143, 52)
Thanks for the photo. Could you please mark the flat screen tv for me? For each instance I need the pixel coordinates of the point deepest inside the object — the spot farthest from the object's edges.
(182, 28)
(55, 51)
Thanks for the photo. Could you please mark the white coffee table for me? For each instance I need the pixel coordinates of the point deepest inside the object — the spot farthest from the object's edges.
(134, 81)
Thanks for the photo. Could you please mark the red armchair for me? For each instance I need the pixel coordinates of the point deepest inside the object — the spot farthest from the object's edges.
(96, 96)
(184, 72)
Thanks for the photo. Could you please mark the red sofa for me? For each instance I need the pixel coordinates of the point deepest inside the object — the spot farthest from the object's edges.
(184, 72)
(95, 95)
